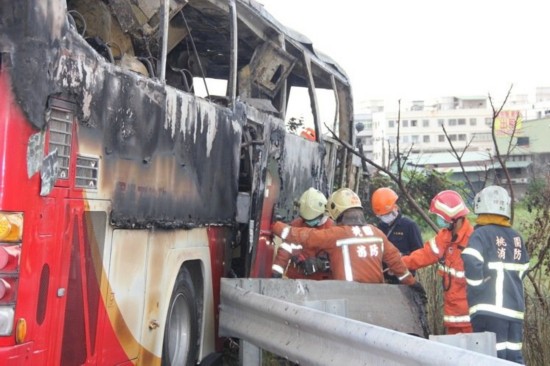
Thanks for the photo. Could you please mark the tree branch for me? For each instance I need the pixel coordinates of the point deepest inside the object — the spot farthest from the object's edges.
(499, 157)
(459, 158)
(393, 177)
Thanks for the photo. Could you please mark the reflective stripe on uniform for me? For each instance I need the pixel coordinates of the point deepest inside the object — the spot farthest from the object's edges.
(451, 271)
(285, 232)
(520, 267)
(509, 345)
(500, 267)
(277, 268)
(287, 247)
(474, 253)
(290, 247)
(404, 276)
(456, 318)
(347, 263)
(357, 241)
(474, 282)
(433, 246)
(477, 255)
(497, 310)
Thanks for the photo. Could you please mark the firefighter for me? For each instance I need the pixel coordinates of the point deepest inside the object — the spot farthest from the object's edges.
(296, 262)
(495, 263)
(403, 232)
(445, 249)
(356, 250)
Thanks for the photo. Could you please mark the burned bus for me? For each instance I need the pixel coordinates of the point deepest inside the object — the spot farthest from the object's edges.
(145, 148)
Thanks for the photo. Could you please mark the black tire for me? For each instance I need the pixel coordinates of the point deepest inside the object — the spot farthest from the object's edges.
(181, 331)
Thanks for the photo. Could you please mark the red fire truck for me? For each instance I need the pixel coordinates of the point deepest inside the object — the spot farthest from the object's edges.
(144, 149)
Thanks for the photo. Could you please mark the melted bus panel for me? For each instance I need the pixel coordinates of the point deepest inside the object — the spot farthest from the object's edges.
(152, 144)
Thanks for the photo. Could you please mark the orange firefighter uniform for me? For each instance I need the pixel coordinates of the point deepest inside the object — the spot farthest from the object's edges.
(356, 252)
(445, 251)
(284, 259)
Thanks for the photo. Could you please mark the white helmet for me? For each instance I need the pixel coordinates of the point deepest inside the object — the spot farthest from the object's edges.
(342, 200)
(493, 200)
(312, 204)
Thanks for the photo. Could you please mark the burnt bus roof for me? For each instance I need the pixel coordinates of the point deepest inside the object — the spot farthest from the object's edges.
(294, 37)
(209, 25)
(35, 35)
(74, 51)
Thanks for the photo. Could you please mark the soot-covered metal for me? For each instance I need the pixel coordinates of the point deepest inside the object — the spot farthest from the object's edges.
(167, 158)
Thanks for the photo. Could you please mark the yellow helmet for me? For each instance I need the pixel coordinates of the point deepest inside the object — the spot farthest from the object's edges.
(312, 204)
(341, 200)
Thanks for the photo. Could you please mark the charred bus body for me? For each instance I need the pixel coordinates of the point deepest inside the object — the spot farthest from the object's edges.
(143, 183)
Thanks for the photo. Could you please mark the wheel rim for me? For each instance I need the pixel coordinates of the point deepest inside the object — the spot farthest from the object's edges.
(178, 330)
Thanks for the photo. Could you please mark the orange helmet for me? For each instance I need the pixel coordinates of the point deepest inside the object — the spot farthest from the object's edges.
(449, 206)
(309, 133)
(383, 201)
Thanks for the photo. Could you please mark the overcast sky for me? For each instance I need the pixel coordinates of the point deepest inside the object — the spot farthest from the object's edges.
(415, 49)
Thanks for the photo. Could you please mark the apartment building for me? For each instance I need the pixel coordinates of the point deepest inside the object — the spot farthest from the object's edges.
(419, 124)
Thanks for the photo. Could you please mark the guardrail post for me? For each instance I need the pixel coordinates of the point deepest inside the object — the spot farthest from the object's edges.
(249, 354)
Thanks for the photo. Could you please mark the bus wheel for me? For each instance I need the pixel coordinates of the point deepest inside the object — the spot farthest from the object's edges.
(180, 335)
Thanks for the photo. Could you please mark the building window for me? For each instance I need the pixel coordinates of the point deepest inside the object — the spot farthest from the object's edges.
(406, 139)
(483, 137)
(440, 122)
(391, 123)
(414, 123)
(473, 121)
(488, 121)
(452, 122)
(425, 123)
(452, 137)
(462, 137)
(405, 123)
(523, 141)
(426, 138)
(462, 121)
(415, 139)
(441, 138)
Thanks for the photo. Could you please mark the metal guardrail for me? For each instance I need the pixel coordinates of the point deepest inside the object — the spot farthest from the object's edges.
(312, 337)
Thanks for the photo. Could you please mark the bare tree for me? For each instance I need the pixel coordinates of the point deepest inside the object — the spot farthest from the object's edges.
(400, 159)
(501, 160)
(459, 157)
(396, 178)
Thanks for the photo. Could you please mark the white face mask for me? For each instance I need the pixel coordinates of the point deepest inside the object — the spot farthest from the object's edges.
(318, 221)
(388, 218)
